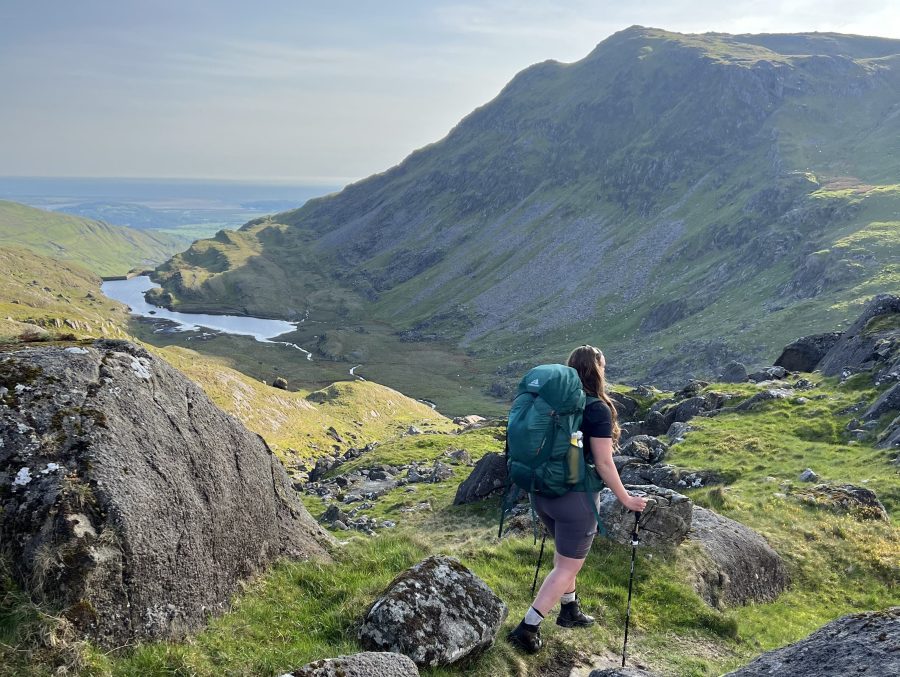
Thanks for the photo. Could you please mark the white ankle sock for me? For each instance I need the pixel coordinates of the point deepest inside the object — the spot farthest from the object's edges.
(533, 617)
(567, 597)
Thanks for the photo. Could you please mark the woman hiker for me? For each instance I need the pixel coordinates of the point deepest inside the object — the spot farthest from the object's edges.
(570, 518)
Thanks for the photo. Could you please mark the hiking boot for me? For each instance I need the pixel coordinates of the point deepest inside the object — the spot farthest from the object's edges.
(571, 616)
(526, 637)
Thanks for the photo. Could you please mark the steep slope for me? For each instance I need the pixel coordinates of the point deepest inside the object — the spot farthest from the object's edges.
(42, 298)
(100, 247)
(700, 196)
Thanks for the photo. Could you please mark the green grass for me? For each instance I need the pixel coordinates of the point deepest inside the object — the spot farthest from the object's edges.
(100, 247)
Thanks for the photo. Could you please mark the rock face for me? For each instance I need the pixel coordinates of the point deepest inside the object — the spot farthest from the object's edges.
(741, 566)
(130, 502)
(806, 352)
(859, 502)
(437, 613)
(866, 644)
(665, 522)
(488, 477)
(863, 345)
(365, 664)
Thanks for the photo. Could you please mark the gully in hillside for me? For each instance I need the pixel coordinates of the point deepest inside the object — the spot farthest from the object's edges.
(571, 518)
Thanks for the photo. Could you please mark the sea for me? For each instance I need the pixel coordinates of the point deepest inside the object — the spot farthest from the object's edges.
(192, 207)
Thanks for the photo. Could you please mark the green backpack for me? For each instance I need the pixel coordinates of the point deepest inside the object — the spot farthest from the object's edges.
(541, 459)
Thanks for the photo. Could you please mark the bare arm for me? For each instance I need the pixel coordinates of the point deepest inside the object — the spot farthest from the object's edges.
(601, 450)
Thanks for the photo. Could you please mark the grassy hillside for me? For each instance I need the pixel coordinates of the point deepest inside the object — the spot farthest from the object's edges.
(301, 611)
(100, 247)
(684, 200)
(42, 298)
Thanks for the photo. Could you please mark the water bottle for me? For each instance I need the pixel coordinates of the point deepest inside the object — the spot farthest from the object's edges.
(574, 457)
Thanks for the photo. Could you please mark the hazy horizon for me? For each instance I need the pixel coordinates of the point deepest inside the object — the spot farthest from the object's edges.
(304, 95)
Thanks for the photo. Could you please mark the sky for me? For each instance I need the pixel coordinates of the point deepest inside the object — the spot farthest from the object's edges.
(306, 91)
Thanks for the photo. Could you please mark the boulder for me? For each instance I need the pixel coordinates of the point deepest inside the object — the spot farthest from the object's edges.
(859, 347)
(863, 644)
(626, 407)
(646, 448)
(487, 477)
(734, 372)
(677, 431)
(129, 503)
(887, 402)
(849, 499)
(768, 374)
(437, 613)
(280, 383)
(657, 423)
(806, 352)
(739, 566)
(689, 408)
(365, 664)
(665, 522)
(808, 475)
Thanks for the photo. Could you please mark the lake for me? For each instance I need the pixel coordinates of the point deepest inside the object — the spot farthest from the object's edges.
(131, 293)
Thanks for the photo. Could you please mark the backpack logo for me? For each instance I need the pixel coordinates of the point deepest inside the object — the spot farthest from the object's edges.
(535, 383)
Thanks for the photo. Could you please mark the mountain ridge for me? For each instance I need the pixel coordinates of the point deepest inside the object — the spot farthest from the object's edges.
(663, 178)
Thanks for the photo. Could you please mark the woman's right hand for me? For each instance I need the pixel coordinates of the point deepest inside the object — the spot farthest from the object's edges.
(635, 503)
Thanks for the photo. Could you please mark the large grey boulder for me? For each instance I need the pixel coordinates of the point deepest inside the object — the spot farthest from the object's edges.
(866, 644)
(865, 345)
(487, 477)
(738, 565)
(437, 613)
(626, 407)
(364, 664)
(663, 524)
(806, 352)
(129, 503)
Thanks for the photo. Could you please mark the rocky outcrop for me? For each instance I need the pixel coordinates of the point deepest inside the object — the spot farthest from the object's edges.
(664, 523)
(633, 471)
(129, 503)
(849, 499)
(806, 352)
(487, 478)
(365, 664)
(437, 613)
(647, 448)
(871, 342)
(738, 565)
(866, 644)
(626, 407)
(890, 436)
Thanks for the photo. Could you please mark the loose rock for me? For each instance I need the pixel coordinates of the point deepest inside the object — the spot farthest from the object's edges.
(437, 613)
(365, 664)
(487, 478)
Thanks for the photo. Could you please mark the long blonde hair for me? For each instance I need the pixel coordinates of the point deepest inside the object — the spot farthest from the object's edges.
(587, 361)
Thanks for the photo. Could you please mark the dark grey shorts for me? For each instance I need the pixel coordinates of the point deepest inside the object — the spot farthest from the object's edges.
(571, 521)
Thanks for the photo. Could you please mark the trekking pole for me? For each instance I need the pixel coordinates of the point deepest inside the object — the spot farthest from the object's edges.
(538, 567)
(634, 544)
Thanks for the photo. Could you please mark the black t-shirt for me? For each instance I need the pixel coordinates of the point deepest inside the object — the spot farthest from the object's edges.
(596, 422)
